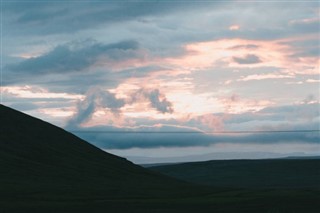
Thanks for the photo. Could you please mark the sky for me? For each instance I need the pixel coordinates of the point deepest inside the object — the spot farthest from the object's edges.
(168, 78)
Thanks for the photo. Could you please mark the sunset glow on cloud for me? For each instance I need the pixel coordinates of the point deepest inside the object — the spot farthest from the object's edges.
(166, 66)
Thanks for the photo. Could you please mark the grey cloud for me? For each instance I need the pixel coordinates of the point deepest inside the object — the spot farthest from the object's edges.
(24, 106)
(272, 119)
(41, 17)
(157, 100)
(309, 99)
(101, 15)
(75, 56)
(84, 112)
(311, 52)
(94, 99)
(247, 46)
(304, 48)
(288, 117)
(69, 82)
(97, 98)
(248, 59)
(296, 111)
(311, 26)
(163, 105)
(84, 15)
(108, 137)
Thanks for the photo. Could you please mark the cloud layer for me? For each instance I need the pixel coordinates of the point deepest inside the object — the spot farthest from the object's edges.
(165, 67)
(77, 56)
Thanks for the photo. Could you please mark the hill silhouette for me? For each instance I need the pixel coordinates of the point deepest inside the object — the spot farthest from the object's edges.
(40, 161)
(43, 168)
(263, 173)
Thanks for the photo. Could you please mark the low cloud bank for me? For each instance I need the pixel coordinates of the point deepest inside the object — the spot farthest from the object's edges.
(108, 137)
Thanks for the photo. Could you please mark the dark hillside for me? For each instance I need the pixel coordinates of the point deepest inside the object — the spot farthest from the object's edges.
(41, 161)
(275, 173)
(46, 169)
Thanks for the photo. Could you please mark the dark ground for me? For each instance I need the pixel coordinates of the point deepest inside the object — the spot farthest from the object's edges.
(273, 173)
(46, 169)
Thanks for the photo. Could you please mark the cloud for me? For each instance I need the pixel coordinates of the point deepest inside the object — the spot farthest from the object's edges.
(97, 99)
(35, 92)
(248, 59)
(306, 24)
(313, 80)
(214, 122)
(108, 137)
(234, 27)
(24, 106)
(304, 48)
(172, 133)
(264, 76)
(169, 67)
(49, 18)
(41, 16)
(303, 116)
(94, 99)
(157, 100)
(77, 56)
(245, 46)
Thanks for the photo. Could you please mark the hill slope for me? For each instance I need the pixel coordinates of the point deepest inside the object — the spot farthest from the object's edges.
(39, 161)
(46, 169)
(275, 173)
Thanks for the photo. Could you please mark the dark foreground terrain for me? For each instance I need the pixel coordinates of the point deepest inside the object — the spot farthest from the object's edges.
(273, 173)
(46, 169)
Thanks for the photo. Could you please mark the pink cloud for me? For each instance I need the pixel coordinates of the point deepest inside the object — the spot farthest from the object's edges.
(234, 27)
(313, 81)
(264, 76)
(305, 21)
(28, 91)
(212, 121)
(269, 53)
(58, 112)
(235, 105)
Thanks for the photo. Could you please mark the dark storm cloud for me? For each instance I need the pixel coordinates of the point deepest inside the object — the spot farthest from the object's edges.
(248, 59)
(76, 56)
